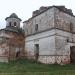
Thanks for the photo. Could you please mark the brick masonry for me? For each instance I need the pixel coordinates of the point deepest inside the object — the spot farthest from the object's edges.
(55, 35)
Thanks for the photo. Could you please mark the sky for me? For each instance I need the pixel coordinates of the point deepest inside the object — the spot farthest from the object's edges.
(24, 8)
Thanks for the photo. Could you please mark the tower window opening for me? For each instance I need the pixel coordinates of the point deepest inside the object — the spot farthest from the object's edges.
(9, 23)
(15, 24)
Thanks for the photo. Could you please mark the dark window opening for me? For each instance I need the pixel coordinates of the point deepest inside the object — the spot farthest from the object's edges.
(15, 24)
(36, 51)
(71, 27)
(67, 39)
(17, 54)
(9, 23)
(72, 54)
(36, 27)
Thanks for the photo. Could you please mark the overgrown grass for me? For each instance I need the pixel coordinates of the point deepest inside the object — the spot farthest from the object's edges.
(31, 67)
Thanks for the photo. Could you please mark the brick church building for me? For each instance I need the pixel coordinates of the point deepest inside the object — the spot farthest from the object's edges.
(11, 39)
(48, 36)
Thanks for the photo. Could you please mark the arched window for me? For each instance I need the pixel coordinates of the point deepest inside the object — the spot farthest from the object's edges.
(15, 24)
(9, 23)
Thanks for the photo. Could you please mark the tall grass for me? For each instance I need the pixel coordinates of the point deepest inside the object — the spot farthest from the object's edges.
(31, 67)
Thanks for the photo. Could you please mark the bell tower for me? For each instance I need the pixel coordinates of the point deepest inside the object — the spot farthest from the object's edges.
(13, 21)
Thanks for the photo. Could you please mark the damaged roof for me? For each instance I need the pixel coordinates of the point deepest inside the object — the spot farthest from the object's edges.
(44, 9)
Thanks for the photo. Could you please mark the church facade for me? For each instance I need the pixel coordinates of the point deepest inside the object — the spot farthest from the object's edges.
(11, 39)
(50, 35)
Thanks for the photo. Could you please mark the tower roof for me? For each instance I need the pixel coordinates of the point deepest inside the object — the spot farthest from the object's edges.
(13, 15)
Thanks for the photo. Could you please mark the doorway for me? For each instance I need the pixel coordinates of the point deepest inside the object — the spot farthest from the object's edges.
(36, 51)
(17, 52)
(72, 54)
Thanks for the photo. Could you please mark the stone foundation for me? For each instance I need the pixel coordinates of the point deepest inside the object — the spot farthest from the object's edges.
(3, 59)
(54, 59)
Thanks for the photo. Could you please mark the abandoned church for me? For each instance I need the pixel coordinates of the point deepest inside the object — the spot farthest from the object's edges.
(11, 39)
(48, 36)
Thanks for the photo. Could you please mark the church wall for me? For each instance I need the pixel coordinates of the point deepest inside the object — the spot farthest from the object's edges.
(62, 49)
(46, 41)
(45, 21)
(73, 38)
(10, 42)
(63, 42)
(54, 44)
(4, 48)
(4, 52)
(73, 21)
(16, 43)
(64, 21)
(49, 19)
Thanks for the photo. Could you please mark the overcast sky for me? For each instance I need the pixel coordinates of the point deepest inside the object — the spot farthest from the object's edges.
(24, 8)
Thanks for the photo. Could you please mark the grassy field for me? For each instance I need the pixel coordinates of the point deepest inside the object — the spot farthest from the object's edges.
(30, 67)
